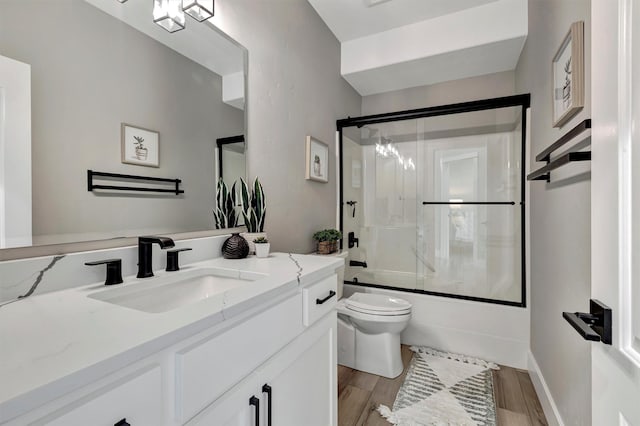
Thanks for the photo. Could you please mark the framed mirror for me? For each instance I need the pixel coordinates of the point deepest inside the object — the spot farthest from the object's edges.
(71, 73)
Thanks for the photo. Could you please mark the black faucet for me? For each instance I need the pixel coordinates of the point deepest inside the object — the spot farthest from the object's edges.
(357, 263)
(144, 253)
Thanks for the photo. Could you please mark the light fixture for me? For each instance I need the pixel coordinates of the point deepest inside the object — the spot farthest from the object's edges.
(169, 15)
(200, 10)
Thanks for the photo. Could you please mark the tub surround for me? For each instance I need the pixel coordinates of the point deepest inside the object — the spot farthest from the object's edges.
(57, 341)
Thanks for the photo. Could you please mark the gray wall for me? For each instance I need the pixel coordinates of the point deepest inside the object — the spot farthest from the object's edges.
(90, 72)
(295, 89)
(560, 219)
(468, 89)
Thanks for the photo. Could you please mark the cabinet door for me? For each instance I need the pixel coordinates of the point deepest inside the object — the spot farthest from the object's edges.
(302, 378)
(137, 402)
(235, 407)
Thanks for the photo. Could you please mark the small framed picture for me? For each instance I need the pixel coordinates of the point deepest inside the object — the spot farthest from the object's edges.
(317, 160)
(568, 75)
(140, 146)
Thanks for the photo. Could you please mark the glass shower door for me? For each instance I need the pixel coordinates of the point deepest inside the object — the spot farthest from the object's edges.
(380, 203)
(471, 205)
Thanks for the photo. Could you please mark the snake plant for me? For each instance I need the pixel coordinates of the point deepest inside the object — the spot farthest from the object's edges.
(254, 205)
(225, 214)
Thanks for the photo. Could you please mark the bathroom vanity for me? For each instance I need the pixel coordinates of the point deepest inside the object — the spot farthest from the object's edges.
(220, 342)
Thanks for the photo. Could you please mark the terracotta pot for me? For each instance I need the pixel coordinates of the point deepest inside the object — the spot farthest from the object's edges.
(327, 247)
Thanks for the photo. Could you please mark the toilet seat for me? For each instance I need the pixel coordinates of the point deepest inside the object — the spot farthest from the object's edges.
(377, 304)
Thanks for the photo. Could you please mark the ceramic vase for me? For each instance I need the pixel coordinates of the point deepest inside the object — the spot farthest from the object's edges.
(235, 247)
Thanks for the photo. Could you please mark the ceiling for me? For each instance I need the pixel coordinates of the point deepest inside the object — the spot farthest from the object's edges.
(351, 19)
(390, 45)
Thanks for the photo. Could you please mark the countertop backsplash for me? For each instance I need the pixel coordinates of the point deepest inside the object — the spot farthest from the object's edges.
(26, 277)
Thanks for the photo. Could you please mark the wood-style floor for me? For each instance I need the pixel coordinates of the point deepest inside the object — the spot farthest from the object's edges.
(359, 394)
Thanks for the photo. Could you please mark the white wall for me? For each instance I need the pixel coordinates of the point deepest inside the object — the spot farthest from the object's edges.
(560, 223)
(295, 89)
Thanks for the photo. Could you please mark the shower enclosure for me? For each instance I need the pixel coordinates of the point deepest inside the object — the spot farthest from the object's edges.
(432, 200)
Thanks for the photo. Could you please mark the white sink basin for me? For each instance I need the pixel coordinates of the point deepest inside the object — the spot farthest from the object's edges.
(175, 290)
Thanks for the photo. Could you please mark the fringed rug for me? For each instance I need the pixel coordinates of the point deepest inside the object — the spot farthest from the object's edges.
(444, 389)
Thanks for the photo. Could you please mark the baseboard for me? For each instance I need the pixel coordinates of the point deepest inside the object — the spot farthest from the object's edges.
(546, 400)
(509, 352)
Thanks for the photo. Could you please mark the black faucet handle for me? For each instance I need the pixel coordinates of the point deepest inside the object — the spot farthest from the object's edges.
(172, 259)
(114, 270)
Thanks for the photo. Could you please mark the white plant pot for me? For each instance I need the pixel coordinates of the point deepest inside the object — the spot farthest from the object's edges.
(250, 236)
(262, 249)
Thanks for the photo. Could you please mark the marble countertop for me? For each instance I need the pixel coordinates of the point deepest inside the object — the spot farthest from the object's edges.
(56, 342)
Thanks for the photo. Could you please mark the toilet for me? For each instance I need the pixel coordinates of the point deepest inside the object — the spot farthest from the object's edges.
(369, 327)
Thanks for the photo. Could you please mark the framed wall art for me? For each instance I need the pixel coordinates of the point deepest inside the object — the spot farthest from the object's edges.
(140, 146)
(567, 70)
(317, 160)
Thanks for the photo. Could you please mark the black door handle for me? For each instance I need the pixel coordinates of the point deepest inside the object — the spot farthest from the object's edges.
(122, 422)
(256, 403)
(321, 301)
(267, 389)
(594, 326)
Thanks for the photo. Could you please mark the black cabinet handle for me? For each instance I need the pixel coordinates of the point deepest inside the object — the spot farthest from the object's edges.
(321, 301)
(114, 270)
(267, 389)
(256, 403)
(122, 422)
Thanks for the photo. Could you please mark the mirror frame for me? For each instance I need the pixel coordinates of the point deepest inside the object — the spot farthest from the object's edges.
(17, 253)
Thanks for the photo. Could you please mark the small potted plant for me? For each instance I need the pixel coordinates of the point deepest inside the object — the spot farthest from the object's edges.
(262, 247)
(327, 240)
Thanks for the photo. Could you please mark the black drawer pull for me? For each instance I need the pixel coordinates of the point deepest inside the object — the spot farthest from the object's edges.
(122, 422)
(267, 389)
(321, 301)
(256, 403)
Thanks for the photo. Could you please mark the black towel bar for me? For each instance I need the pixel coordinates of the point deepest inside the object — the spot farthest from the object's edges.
(91, 186)
(543, 173)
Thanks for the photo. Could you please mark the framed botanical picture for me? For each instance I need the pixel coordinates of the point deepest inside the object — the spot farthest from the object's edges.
(317, 160)
(140, 146)
(567, 70)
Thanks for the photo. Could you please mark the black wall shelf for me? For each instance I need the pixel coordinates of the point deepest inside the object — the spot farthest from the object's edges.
(544, 173)
(91, 186)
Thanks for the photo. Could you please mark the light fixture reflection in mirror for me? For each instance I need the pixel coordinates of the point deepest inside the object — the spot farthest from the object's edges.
(169, 15)
(200, 10)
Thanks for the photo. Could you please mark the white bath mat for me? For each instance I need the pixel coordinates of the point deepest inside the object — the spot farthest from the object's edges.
(444, 389)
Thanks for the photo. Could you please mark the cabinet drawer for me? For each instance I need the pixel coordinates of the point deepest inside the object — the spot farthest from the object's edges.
(207, 369)
(319, 299)
(138, 400)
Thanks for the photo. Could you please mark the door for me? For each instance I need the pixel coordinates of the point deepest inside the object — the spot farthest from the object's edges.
(615, 211)
(15, 153)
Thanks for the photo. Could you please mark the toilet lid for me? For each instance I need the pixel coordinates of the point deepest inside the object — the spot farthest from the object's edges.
(377, 303)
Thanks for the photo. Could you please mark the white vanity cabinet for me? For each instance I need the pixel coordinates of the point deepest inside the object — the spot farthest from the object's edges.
(297, 386)
(271, 360)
